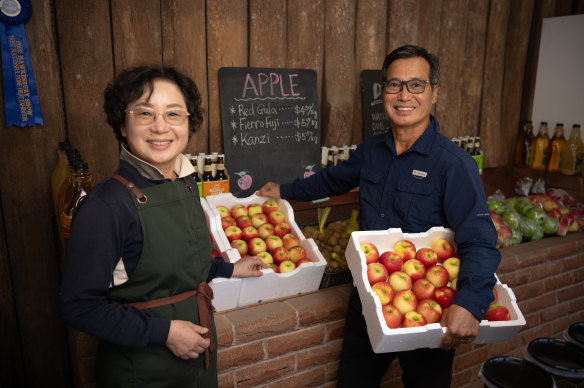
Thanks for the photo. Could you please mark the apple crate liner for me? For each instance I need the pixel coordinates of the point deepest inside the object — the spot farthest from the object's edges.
(383, 339)
(271, 285)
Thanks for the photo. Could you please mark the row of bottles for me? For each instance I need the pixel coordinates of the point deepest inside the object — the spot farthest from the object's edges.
(555, 155)
(472, 145)
(331, 156)
(208, 167)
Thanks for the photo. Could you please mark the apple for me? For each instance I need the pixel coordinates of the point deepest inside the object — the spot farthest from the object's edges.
(400, 281)
(392, 261)
(273, 242)
(452, 265)
(430, 309)
(405, 248)
(443, 248)
(276, 217)
(302, 261)
(238, 210)
(256, 245)
(253, 209)
(376, 273)
(423, 289)
(415, 269)
(281, 229)
(383, 291)
(249, 233)
(266, 257)
(243, 222)
(444, 296)
(223, 211)
(233, 233)
(270, 206)
(405, 301)
(497, 312)
(280, 254)
(495, 294)
(289, 240)
(240, 245)
(392, 316)
(287, 266)
(371, 252)
(215, 253)
(427, 256)
(437, 275)
(259, 219)
(453, 283)
(297, 253)
(413, 319)
(274, 267)
(266, 230)
(227, 222)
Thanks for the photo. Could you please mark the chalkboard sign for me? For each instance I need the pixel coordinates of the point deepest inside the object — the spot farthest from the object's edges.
(270, 125)
(375, 120)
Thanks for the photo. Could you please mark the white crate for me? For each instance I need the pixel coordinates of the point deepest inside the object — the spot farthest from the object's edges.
(270, 286)
(384, 339)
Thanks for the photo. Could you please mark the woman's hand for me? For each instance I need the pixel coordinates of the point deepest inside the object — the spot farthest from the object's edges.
(185, 339)
(248, 266)
(270, 190)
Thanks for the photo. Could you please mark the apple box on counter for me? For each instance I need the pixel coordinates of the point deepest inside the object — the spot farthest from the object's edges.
(426, 335)
(304, 277)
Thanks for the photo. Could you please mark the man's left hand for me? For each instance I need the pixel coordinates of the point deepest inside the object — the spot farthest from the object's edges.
(462, 327)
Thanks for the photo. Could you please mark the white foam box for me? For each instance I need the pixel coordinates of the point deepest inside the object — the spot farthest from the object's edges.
(271, 285)
(383, 339)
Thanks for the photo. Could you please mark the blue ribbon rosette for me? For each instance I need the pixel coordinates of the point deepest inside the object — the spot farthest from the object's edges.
(21, 102)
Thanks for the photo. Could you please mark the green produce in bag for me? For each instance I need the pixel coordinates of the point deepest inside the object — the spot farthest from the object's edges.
(550, 225)
(530, 229)
(516, 237)
(496, 205)
(511, 201)
(523, 205)
(511, 218)
(536, 214)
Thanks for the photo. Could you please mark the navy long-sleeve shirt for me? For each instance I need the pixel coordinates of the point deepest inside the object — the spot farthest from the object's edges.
(434, 183)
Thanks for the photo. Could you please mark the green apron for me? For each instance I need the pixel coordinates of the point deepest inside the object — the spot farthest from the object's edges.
(176, 258)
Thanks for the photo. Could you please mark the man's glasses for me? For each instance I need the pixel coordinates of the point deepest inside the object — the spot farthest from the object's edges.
(414, 86)
(145, 115)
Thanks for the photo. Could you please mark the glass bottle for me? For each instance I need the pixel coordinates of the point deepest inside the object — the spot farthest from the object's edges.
(537, 161)
(555, 148)
(207, 170)
(571, 163)
(80, 186)
(524, 141)
(221, 176)
(330, 161)
(195, 174)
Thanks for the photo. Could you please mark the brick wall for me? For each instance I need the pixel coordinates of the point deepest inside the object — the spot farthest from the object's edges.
(297, 342)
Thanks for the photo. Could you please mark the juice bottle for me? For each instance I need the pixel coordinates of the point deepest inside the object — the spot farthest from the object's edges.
(537, 161)
(555, 148)
(572, 155)
(524, 141)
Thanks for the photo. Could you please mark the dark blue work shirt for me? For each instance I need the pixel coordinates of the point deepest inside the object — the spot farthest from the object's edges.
(434, 183)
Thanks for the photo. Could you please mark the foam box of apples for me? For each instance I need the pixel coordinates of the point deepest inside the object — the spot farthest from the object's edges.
(266, 228)
(405, 283)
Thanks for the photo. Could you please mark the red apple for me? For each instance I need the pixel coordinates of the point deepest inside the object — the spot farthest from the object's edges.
(392, 316)
(444, 296)
(443, 248)
(256, 245)
(276, 217)
(452, 265)
(274, 267)
(383, 291)
(273, 242)
(497, 312)
(259, 219)
(227, 222)
(270, 206)
(249, 232)
(253, 209)
(423, 289)
(266, 230)
(290, 240)
(302, 261)
(376, 273)
(215, 253)
(238, 210)
(287, 266)
(392, 261)
(415, 269)
(223, 211)
(400, 281)
(281, 229)
(240, 245)
(406, 249)
(413, 319)
(297, 253)
(430, 309)
(370, 251)
(405, 301)
(243, 222)
(280, 254)
(233, 233)
(266, 257)
(437, 275)
(427, 256)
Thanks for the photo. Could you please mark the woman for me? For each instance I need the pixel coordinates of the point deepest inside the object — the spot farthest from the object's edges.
(139, 257)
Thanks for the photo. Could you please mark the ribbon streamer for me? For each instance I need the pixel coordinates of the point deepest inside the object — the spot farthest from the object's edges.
(21, 102)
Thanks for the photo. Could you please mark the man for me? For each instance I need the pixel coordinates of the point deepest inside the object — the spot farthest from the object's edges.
(412, 178)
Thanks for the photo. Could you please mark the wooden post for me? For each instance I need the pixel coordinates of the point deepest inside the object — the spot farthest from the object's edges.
(267, 33)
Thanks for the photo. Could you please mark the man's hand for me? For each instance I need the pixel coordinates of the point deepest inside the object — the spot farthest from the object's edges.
(185, 339)
(249, 266)
(271, 190)
(462, 327)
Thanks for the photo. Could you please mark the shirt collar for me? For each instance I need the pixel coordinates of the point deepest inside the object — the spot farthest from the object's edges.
(182, 166)
(424, 143)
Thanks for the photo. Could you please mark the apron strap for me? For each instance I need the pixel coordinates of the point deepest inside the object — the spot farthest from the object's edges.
(140, 196)
(204, 294)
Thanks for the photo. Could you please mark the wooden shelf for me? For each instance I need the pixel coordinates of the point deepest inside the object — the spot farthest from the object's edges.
(341, 207)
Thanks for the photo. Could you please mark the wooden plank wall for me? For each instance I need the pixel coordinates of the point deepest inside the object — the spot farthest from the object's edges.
(488, 50)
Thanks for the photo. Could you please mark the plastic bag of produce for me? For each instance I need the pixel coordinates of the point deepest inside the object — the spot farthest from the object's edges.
(511, 217)
(504, 233)
(516, 237)
(523, 205)
(496, 205)
(530, 229)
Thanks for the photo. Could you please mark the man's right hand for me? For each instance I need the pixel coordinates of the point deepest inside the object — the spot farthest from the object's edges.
(185, 339)
(270, 190)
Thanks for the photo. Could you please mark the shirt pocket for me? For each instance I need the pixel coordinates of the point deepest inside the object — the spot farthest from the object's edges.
(369, 187)
(417, 203)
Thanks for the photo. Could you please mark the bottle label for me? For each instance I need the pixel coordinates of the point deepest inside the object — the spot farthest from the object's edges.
(479, 160)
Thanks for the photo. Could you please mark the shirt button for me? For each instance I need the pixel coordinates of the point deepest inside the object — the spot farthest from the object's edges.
(382, 215)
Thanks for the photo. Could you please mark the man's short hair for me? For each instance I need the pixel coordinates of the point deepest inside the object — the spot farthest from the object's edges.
(410, 51)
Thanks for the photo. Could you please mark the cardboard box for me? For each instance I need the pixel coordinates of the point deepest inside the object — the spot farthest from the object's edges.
(270, 286)
(384, 339)
(215, 187)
